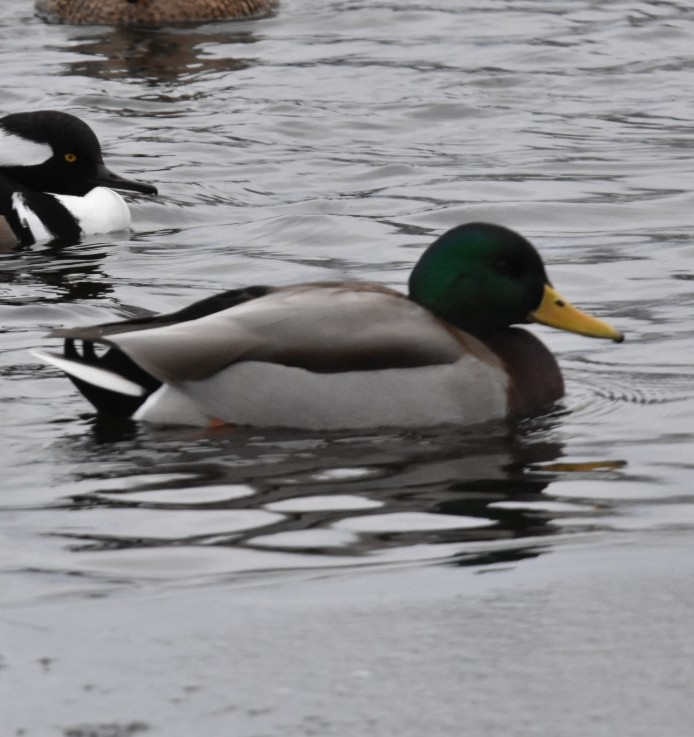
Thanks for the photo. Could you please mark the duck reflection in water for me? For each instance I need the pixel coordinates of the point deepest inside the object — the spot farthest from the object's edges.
(68, 275)
(332, 499)
(153, 55)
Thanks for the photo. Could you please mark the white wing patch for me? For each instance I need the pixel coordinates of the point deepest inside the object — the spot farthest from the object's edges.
(18, 151)
(100, 211)
(28, 218)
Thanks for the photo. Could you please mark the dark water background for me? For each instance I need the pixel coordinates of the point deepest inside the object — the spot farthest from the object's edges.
(336, 140)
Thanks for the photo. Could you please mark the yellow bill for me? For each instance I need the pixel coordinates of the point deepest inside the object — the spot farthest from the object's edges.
(556, 312)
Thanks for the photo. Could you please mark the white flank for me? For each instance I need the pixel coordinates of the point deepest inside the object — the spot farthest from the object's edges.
(28, 218)
(169, 406)
(100, 211)
(92, 374)
(18, 151)
(266, 394)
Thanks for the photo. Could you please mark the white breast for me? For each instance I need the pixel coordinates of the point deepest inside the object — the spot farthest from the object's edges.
(100, 211)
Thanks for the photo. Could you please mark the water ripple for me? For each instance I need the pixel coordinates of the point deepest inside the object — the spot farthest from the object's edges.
(298, 148)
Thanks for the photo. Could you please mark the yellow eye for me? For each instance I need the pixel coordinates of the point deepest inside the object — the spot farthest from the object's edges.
(70, 158)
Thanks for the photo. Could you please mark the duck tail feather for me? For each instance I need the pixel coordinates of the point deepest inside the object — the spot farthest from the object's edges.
(91, 374)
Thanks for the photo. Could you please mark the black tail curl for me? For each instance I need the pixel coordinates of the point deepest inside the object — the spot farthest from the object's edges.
(79, 347)
(106, 401)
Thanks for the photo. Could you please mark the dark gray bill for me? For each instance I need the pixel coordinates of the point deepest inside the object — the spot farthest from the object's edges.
(106, 178)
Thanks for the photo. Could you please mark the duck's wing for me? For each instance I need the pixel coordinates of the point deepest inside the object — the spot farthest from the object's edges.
(12, 225)
(316, 355)
(34, 215)
(324, 328)
(111, 380)
(202, 308)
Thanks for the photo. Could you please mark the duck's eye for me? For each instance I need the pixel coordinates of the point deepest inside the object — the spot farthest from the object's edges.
(70, 158)
(502, 266)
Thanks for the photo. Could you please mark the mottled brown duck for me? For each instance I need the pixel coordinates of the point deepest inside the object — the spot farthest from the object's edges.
(150, 12)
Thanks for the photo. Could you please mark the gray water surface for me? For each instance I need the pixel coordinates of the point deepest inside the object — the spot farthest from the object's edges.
(525, 580)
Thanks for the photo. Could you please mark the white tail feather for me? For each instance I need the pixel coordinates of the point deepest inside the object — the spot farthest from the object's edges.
(103, 378)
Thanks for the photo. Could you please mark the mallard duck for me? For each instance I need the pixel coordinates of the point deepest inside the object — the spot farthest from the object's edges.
(54, 184)
(330, 355)
(149, 12)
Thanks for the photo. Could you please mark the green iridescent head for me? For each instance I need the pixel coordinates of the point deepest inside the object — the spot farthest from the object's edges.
(483, 278)
(479, 277)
